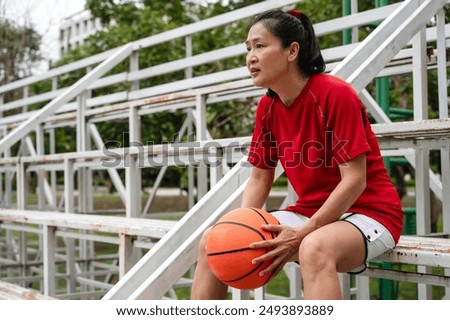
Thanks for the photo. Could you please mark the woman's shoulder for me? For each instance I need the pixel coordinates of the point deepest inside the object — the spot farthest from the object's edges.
(264, 108)
(326, 85)
(266, 101)
(328, 81)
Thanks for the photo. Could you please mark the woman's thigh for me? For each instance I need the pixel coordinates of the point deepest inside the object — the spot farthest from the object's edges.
(341, 242)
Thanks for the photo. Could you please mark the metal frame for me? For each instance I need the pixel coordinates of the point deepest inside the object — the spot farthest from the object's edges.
(397, 50)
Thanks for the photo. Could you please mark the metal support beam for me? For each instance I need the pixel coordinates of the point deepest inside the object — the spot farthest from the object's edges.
(390, 41)
(344, 279)
(364, 63)
(68, 185)
(47, 190)
(21, 185)
(126, 256)
(237, 294)
(163, 170)
(134, 66)
(423, 221)
(188, 44)
(133, 190)
(190, 169)
(420, 76)
(113, 174)
(49, 238)
(190, 226)
(200, 116)
(51, 194)
(443, 114)
(357, 57)
(8, 183)
(295, 280)
(423, 216)
(40, 142)
(420, 98)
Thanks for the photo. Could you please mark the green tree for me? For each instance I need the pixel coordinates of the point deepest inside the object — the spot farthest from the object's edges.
(127, 22)
(19, 53)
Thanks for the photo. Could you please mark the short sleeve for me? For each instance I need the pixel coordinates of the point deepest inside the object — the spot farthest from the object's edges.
(263, 150)
(347, 123)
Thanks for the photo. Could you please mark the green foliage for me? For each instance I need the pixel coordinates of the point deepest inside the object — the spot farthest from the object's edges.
(19, 52)
(126, 22)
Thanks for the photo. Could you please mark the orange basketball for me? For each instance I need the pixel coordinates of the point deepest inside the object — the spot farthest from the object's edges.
(228, 252)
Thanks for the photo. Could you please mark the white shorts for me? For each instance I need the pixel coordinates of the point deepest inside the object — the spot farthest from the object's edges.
(378, 238)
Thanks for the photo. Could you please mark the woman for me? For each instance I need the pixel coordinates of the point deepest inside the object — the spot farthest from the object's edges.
(347, 211)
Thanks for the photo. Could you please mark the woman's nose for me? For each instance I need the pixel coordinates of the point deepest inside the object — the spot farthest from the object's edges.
(251, 57)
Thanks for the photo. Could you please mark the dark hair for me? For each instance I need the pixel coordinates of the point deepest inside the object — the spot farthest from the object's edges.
(293, 26)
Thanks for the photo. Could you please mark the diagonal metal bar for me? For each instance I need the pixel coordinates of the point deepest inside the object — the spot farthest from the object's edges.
(47, 188)
(372, 55)
(163, 170)
(27, 126)
(357, 57)
(382, 53)
(183, 230)
(174, 254)
(114, 175)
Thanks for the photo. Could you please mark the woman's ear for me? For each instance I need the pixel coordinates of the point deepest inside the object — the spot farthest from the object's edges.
(294, 49)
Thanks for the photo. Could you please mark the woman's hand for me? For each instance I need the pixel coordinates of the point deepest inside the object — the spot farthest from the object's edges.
(284, 247)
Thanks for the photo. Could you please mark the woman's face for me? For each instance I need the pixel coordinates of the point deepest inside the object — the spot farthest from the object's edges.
(267, 60)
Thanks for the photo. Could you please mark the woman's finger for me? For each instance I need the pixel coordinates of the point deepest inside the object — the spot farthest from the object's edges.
(274, 267)
(274, 227)
(262, 244)
(269, 255)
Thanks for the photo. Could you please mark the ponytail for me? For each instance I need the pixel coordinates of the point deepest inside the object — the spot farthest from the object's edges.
(310, 60)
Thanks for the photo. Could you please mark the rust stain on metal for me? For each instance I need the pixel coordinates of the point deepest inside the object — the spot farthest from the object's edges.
(97, 227)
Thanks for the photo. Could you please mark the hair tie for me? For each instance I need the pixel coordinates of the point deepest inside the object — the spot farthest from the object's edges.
(295, 13)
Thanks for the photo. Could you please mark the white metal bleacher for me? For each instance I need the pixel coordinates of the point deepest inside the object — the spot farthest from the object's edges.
(397, 46)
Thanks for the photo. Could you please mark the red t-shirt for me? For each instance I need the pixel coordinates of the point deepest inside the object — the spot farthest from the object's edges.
(327, 125)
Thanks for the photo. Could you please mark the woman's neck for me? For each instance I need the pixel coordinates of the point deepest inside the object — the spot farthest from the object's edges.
(290, 90)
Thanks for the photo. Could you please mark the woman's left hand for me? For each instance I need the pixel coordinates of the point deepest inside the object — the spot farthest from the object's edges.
(284, 248)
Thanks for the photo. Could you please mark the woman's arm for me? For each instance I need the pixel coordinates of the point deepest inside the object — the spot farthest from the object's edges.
(286, 245)
(352, 184)
(258, 188)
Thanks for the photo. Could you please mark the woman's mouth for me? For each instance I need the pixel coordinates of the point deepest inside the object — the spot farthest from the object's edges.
(254, 71)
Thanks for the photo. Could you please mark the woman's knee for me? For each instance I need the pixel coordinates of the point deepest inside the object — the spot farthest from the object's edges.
(314, 252)
(203, 240)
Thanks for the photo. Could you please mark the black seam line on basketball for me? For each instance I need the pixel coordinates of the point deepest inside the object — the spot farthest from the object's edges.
(269, 278)
(227, 252)
(265, 220)
(243, 225)
(245, 275)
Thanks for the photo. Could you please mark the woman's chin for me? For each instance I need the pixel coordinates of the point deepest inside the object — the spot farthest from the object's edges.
(258, 83)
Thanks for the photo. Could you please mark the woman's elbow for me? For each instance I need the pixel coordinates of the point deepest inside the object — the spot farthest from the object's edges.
(361, 184)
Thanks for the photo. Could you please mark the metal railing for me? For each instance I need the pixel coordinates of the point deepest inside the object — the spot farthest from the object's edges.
(401, 37)
(161, 265)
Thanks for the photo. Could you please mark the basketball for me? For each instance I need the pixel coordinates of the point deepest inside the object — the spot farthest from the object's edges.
(227, 247)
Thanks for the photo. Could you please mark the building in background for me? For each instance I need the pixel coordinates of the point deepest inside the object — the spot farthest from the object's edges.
(75, 29)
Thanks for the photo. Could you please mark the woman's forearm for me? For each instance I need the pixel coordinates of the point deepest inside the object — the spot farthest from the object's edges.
(258, 188)
(353, 183)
